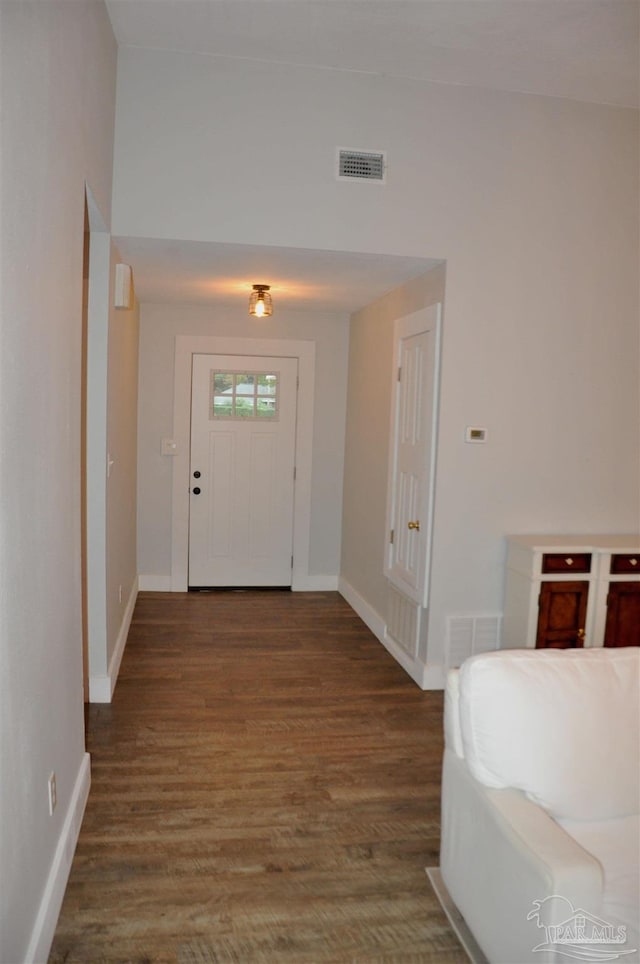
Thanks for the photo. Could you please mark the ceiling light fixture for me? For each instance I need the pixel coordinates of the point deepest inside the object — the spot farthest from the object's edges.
(260, 304)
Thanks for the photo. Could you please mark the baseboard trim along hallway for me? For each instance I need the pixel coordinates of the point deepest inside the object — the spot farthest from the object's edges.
(427, 677)
(54, 890)
(101, 687)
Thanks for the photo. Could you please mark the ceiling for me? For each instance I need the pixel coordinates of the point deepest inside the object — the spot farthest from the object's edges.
(204, 273)
(582, 49)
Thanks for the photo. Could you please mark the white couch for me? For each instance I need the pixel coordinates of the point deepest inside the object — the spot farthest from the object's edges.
(540, 803)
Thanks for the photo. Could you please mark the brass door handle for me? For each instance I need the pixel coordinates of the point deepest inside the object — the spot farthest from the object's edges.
(581, 634)
(414, 525)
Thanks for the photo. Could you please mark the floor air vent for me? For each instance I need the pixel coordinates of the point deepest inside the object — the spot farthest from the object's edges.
(361, 165)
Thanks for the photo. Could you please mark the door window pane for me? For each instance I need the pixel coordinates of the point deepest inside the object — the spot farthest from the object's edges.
(244, 395)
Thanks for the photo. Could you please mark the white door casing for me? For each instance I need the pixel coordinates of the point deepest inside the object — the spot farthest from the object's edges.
(412, 453)
(243, 420)
(97, 355)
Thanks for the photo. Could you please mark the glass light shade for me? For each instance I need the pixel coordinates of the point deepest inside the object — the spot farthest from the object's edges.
(260, 304)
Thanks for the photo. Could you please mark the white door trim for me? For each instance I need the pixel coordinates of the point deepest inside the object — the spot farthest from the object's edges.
(96, 444)
(188, 345)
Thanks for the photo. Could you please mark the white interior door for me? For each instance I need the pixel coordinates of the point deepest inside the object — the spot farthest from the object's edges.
(243, 421)
(413, 454)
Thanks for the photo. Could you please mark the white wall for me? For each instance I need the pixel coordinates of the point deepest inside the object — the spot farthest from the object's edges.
(532, 202)
(365, 533)
(368, 436)
(158, 329)
(111, 459)
(58, 94)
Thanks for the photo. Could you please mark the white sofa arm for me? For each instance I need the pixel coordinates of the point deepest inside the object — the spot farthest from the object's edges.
(499, 853)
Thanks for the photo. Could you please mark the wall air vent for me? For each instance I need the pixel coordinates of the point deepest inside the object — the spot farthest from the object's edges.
(361, 166)
(468, 635)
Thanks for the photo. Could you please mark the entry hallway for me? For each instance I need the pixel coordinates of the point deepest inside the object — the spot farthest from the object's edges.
(265, 788)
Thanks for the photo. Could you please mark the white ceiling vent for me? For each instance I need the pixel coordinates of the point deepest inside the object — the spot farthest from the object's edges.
(361, 166)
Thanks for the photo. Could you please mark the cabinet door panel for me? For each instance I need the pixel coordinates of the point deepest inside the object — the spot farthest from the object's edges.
(623, 614)
(562, 615)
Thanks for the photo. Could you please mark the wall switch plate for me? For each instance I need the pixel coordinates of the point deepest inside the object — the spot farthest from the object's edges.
(123, 286)
(168, 447)
(474, 433)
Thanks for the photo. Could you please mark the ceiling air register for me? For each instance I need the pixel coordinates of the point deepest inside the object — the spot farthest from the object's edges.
(361, 165)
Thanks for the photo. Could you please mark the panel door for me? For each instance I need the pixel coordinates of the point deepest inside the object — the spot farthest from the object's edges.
(412, 459)
(623, 614)
(243, 418)
(562, 615)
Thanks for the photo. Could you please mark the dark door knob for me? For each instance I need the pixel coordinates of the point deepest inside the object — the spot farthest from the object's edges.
(196, 474)
(196, 491)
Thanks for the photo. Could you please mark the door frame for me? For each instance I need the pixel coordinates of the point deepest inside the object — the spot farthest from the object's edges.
(95, 452)
(186, 347)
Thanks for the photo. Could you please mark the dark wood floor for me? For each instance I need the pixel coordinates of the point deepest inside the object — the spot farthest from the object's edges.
(265, 788)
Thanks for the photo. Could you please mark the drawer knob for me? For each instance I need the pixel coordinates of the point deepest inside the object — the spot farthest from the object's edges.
(569, 561)
(634, 561)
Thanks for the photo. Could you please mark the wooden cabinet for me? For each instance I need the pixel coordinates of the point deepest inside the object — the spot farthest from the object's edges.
(570, 591)
(622, 627)
(562, 613)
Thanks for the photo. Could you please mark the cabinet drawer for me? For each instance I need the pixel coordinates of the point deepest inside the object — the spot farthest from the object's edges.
(567, 562)
(626, 562)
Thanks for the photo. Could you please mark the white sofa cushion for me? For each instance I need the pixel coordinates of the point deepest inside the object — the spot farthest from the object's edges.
(561, 725)
(452, 732)
(616, 845)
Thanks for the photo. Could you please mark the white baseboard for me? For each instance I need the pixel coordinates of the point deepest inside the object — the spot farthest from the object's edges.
(150, 583)
(47, 917)
(101, 687)
(435, 678)
(306, 583)
(427, 677)
(301, 583)
(367, 613)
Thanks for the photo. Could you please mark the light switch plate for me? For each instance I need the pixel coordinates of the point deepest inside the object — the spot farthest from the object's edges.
(168, 447)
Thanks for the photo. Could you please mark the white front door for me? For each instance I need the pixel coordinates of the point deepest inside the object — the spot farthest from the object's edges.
(243, 421)
(413, 454)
